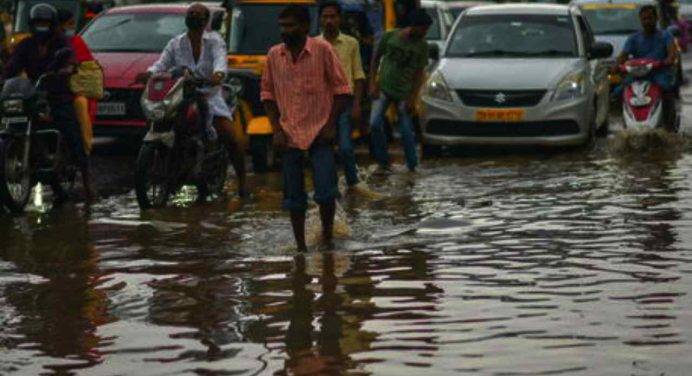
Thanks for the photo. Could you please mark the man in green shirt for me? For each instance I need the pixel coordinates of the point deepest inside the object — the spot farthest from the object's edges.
(396, 76)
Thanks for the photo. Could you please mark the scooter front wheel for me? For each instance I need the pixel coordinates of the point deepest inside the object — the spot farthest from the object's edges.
(15, 176)
(150, 176)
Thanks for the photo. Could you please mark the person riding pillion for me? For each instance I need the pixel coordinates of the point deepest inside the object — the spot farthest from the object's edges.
(36, 55)
(204, 53)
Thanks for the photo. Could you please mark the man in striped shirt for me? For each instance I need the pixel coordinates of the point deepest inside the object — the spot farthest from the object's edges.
(304, 89)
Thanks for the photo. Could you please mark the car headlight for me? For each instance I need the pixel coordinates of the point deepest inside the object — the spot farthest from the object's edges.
(571, 87)
(437, 88)
(13, 106)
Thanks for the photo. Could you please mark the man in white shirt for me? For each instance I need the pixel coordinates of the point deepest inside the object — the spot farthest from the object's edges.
(204, 53)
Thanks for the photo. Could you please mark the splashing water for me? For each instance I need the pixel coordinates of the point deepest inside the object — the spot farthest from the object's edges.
(630, 141)
(313, 225)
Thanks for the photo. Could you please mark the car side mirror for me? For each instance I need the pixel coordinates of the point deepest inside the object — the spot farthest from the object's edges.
(601, 50)
(433, 52)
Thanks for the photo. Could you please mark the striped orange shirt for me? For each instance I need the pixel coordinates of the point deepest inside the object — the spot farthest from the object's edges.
(303, 90)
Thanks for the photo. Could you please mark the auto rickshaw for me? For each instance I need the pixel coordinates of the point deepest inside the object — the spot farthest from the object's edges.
(84, 11)
(253, 30)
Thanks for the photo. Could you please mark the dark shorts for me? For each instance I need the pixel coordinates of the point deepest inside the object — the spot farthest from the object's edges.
(65, 121)
(323, 175)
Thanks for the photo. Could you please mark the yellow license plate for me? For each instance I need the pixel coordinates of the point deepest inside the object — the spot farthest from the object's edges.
(510, 115)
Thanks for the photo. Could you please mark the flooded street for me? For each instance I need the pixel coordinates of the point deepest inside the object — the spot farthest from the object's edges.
(575, 263)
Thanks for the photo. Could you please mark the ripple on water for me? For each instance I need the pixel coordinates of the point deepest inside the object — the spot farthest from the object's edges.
(576, 263)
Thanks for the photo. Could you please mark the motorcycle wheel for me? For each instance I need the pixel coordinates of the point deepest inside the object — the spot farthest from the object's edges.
(217, 179)
(150, 176)
(15, 179)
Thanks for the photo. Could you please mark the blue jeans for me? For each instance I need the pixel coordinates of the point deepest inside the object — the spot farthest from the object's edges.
(323, 176)
(348, 156)
(378, 138)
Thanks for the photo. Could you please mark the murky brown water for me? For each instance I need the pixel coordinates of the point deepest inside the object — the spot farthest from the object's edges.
(577, 263)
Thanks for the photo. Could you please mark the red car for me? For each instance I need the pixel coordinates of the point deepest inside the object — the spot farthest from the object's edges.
(126, 41)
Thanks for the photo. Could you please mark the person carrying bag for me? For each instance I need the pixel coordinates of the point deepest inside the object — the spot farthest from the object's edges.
(86, 83)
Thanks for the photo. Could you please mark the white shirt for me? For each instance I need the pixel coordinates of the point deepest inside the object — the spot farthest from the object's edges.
(212, 59)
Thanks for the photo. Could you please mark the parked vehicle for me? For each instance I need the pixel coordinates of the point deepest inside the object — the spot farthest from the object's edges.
(30, 150)
(126, 41)
(518, 75)
(180, 148)
(643, 100)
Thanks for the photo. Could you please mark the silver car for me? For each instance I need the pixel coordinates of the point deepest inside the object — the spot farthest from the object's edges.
(442, 21)
(521, 74)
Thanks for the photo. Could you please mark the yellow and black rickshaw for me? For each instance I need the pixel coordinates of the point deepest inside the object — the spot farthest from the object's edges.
(253, 30)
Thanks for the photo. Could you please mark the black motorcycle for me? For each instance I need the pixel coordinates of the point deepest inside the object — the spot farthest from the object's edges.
(177, 150)
(31, 151)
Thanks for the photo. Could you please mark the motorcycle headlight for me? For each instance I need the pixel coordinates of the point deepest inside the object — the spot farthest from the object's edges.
(571, 87)
(154, 111)
(437, 88)
(13, 106)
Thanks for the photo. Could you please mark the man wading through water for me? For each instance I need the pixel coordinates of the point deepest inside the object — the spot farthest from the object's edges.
(348, 51)
(304, 89)
(396, 76)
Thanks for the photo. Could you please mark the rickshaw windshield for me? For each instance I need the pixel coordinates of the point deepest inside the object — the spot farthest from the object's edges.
(255, 28)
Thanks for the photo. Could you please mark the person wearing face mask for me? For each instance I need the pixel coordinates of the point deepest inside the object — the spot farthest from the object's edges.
(396, 76)
(204, 53)
(85, 108)
(35, 56)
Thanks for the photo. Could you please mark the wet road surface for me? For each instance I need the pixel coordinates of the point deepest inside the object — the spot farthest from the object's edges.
(575, 263)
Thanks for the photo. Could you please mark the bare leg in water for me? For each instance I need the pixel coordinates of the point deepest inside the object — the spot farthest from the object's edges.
(236, 150)
(327, 213)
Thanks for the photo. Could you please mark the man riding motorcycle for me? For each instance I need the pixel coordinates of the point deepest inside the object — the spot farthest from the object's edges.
(36, 55)
(653, 43)
(204, 53)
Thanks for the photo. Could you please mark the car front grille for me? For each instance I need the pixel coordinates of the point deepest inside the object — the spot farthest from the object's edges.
(522, 129)
(501, 98)
(130, 97)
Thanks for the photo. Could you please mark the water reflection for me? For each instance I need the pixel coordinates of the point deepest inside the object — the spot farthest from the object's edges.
(59, 313)
(575, 263)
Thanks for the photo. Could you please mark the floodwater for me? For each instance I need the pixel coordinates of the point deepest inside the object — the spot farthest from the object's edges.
(578, 263)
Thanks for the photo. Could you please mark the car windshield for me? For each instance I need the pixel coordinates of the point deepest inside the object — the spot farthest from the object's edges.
(612, 19)
(255, 28)
(24, 7)
(133, 32)
(513, 36)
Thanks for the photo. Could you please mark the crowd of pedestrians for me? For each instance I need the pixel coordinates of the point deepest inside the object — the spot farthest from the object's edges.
(313, 90)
